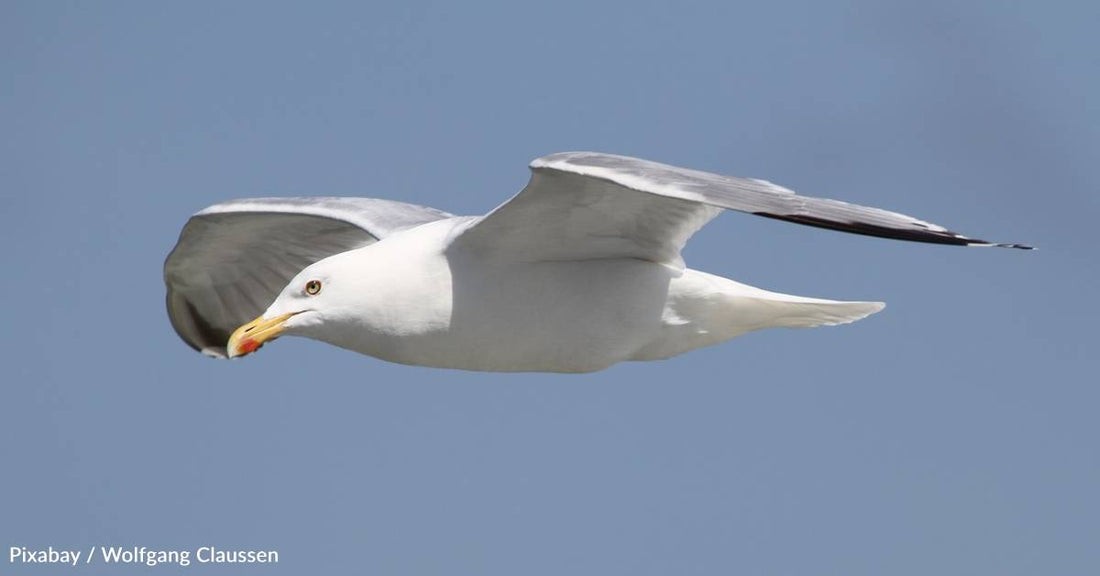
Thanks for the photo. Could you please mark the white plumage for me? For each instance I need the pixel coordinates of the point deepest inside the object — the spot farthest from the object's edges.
(577, 272)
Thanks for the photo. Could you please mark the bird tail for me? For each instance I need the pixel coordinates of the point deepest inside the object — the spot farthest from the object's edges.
(744, 308)
(784, 310)
(704, 309)
(754, 308)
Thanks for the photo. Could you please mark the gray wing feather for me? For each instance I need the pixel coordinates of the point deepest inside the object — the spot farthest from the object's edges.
(232, 259)
(591, 205)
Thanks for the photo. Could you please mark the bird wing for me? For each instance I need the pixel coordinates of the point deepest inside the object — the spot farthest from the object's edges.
(232, 259)
(587, 205)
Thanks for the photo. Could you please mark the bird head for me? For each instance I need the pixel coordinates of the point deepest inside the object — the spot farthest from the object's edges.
(304, 304)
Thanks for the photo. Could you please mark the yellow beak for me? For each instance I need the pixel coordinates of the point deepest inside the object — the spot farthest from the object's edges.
(248, 338)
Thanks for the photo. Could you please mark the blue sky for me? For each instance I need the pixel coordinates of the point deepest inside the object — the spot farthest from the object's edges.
(954, 433)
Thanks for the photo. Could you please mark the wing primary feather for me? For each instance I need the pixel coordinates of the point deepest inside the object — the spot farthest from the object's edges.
(912, 235)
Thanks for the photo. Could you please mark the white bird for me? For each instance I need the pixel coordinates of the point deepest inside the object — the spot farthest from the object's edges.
(577, 272)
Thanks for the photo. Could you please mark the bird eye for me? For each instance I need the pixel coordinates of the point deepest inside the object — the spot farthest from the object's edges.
(313, 287)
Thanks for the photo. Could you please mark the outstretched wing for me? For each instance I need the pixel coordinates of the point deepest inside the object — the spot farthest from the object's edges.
(233, 259)
(586, 205)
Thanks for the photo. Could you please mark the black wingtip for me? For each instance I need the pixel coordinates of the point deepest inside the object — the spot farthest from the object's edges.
(1016, 246)
(924, 234)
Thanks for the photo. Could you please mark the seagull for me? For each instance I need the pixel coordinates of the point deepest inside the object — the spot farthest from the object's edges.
(579, 271)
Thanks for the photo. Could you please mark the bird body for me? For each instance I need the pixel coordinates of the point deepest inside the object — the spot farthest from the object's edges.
(409, 300)
(578, 272)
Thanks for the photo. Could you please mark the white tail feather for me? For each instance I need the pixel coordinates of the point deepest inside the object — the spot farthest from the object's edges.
(704, 309)
(797, 312)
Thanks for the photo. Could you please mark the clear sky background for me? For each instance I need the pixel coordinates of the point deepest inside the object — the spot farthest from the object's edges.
(954, 433)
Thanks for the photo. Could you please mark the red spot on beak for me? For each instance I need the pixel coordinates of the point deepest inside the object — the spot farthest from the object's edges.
(248, 346)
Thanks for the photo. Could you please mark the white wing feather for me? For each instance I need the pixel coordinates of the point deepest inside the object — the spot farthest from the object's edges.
(586, 205)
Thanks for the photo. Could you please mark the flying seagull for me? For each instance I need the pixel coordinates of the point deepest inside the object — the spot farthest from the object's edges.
(579, 271)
